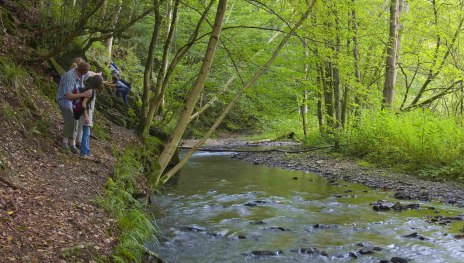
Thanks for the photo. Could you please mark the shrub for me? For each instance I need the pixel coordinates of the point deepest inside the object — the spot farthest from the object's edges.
(412, 139)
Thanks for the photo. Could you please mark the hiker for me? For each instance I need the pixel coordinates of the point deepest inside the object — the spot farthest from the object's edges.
(67, 92)
(84, 112)
(78, 132)
(114, 69)
(122, 88)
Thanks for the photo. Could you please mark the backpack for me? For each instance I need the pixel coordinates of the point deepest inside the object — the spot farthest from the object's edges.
(114, 66)
(126, 83)
(78, 108)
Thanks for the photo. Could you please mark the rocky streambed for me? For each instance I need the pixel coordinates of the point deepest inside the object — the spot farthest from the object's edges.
(220, 209)
(403, 186)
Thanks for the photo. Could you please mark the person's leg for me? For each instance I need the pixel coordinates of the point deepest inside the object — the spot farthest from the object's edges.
(68, 127)
(124, 97)
(72, 141)
(77, 135)
(85, 143)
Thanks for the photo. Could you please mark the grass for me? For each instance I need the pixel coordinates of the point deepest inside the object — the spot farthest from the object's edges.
(12, 74)
(134, 224)
(418, 142)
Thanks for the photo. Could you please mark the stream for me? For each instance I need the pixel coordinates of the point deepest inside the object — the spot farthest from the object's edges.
(218, 209)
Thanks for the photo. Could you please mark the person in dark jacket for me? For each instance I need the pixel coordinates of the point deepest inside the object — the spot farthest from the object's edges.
(122, 88)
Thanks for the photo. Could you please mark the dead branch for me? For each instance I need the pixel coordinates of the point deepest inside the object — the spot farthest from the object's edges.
(10, 184)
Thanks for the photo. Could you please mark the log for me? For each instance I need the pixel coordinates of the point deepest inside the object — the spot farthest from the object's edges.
(288, 135)
(259, 151)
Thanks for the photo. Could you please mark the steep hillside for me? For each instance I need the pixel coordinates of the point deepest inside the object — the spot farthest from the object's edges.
(47, 197)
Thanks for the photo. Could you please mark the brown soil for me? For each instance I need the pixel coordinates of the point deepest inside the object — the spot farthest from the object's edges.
(53, 216)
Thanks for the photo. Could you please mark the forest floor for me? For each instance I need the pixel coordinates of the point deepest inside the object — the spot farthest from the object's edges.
(322, 162)
(53, 215)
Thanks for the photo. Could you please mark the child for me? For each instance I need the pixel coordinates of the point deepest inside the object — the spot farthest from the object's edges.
(88, 104)
(77, 135)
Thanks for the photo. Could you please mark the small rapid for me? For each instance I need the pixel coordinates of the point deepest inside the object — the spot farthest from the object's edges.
(218, 209)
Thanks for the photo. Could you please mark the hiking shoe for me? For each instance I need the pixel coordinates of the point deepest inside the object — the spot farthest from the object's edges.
(64, 148)
(74, 149)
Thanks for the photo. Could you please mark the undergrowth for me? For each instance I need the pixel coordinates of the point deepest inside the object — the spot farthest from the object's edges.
(135, 226)
(419, 142)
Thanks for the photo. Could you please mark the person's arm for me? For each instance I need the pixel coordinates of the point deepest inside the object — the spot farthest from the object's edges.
(93, 74)
(72, 96)
(86, 114)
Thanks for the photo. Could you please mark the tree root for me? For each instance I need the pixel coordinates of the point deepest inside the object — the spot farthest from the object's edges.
(10, 184)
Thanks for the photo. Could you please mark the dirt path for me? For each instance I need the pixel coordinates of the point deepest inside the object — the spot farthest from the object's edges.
(54, 216)
(403, 186)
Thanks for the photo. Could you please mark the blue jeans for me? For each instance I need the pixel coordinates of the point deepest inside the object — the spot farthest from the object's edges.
(85, 142)
(123, 93)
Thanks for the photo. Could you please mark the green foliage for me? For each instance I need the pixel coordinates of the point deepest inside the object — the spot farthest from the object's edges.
(100, 131)
(130, 65)
(12, 74)
(8, 111)
(451, 172)
(315, 138)
(410, 140)
(97, 52)
(135, 228)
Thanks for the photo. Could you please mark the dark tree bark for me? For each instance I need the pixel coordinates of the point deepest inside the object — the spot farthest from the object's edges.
(390, 69)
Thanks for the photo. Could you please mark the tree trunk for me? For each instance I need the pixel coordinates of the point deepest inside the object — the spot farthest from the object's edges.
(304, 106)
(237, 96)
(320, 118)
(114, 21)
(148, 71)
(153, 105)
(304, 113)
(390, 69)
(329, 96)
(192, 98)
(336, 83)
(213, 100)
(170, 28)
(357, 71)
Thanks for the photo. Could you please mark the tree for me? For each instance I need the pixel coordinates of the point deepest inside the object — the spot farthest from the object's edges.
(229, 106)
(392, 46)
(182, 122)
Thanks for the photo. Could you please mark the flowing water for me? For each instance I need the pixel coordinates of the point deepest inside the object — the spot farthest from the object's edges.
(223, 210)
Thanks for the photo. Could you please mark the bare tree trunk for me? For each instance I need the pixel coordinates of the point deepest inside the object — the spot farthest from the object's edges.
(336, 75)
(247, 85)
(114, 21)
(390, 69)
(328, 96)
(320, 116)
(304, 106)
(153, 105)
(183, 120)
(149, 71)
(304, 113)
(357, 71)
(170, 27)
